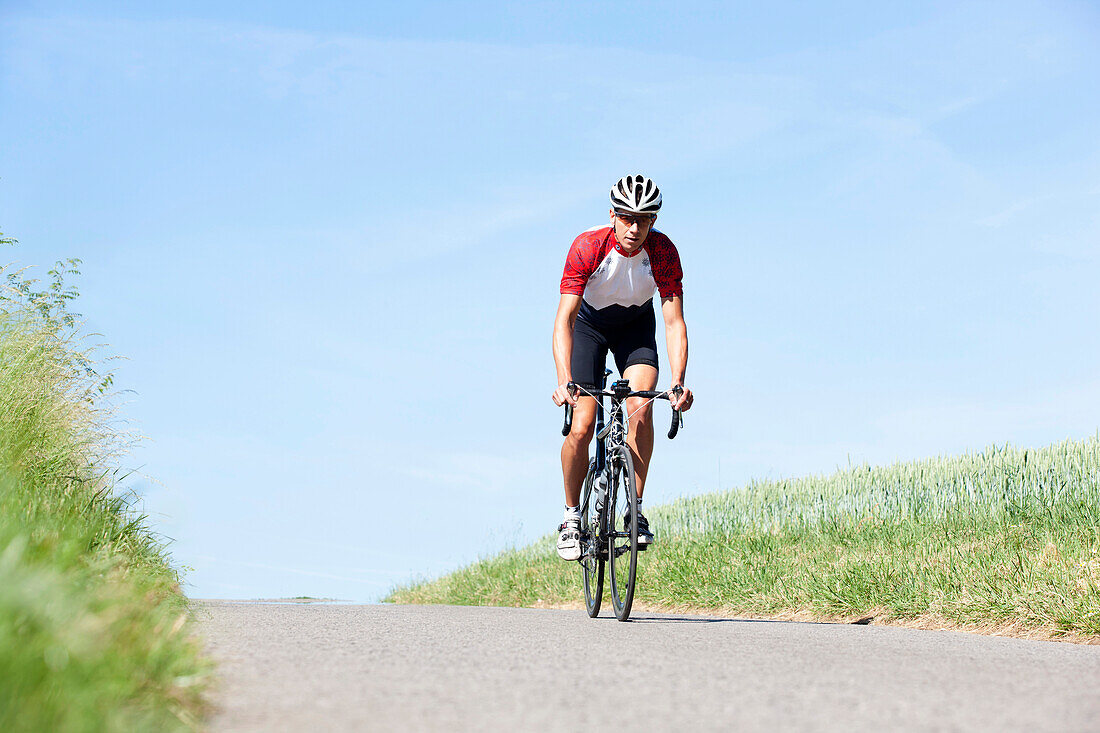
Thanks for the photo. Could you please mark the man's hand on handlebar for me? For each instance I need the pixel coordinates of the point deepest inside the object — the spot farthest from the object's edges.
(564, 395)
(681, 398)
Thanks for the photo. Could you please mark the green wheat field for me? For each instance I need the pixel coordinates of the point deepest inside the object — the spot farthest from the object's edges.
(1005, 541)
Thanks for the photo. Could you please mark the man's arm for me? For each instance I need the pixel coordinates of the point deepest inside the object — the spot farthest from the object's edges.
(568, 307)
(676, 337)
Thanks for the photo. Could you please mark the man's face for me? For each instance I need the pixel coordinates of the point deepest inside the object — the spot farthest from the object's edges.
(631, 229)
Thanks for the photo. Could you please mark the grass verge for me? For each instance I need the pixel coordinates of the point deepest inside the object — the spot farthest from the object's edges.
(93, 626)
(1005, 540)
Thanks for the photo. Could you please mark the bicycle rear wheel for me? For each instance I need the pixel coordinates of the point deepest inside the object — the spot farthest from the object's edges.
(591, 561)
(623, 532)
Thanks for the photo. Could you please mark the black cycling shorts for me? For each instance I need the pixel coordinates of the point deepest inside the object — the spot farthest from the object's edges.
(634, 342)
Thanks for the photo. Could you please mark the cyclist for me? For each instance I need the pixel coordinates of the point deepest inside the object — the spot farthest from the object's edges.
(607, 289)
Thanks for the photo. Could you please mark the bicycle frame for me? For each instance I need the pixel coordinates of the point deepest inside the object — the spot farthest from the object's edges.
(601, 445)
(614, 432)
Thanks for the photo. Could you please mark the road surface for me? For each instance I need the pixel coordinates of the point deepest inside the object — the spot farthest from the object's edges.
(311, 667)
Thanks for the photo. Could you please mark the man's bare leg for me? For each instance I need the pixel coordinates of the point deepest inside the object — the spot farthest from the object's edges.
(642, 377)
(574, 450)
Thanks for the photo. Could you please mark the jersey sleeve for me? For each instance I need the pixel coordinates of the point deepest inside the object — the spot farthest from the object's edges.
(580, 263)
(667, 271)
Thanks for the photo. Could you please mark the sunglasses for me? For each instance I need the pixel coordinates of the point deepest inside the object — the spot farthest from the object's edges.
(632, 219)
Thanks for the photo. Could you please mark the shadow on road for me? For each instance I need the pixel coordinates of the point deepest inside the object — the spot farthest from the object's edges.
(698, 620)
(716, 620)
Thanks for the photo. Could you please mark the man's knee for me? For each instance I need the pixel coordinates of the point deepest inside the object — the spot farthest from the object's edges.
(584, 421)
(582, 430)
(640, 410)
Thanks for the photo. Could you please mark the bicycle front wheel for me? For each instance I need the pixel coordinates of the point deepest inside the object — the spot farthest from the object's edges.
(623, 532)
(592, 561)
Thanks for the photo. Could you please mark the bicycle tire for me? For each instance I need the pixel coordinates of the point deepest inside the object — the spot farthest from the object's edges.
(623, 549)
(591, 562)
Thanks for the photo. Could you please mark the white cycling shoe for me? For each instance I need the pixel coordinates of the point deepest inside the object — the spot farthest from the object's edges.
(569, 540)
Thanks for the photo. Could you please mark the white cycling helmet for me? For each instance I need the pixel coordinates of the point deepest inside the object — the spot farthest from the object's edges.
(636, 195)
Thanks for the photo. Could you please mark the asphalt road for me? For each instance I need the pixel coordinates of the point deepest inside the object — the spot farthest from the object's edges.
(288, 667)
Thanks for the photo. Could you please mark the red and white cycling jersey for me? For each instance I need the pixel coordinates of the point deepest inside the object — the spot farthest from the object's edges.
(617, 286)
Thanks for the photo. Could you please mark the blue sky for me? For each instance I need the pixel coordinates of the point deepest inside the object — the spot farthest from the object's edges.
(328, 242)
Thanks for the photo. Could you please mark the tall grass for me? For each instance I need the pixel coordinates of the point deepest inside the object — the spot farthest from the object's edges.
(93, 628)
(1007, 537)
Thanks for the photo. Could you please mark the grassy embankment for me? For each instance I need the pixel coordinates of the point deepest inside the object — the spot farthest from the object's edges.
(93, 627)
(1007, 540)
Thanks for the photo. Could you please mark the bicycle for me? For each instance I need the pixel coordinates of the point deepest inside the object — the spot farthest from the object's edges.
(609, 513)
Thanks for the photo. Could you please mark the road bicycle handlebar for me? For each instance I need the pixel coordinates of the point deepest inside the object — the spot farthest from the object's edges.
(568, 419)
(677, 416)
